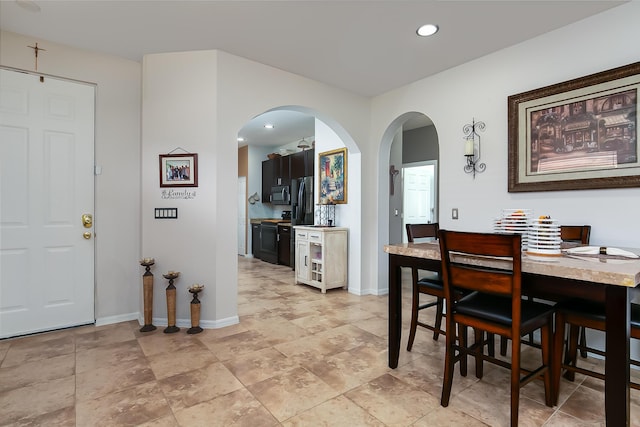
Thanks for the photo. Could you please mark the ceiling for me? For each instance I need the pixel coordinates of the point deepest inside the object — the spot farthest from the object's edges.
(366, 47)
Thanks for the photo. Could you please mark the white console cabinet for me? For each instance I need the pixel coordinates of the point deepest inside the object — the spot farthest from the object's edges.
(321, 256)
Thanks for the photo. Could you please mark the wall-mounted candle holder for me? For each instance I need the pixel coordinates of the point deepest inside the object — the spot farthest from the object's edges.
(472, 149)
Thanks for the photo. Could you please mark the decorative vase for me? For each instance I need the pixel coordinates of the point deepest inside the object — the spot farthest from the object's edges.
(195, 310)
(171, 303)
(147, 292)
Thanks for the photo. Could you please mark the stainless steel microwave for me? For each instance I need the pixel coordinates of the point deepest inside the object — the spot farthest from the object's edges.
(280, 195)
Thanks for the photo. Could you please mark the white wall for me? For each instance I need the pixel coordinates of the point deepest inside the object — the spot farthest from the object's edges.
(199, 101)
(479, 90)
(348, 214)
(117, 151)
(179, 113)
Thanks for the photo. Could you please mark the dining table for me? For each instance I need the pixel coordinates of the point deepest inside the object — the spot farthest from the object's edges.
(607, 279)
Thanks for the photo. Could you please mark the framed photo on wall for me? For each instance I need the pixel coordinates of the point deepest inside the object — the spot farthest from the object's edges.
(579, 134)
(179, 170)
(332, 167)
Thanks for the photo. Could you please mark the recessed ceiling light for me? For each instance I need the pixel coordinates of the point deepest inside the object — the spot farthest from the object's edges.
(268, 126)
(240, 139)
(29, 5)
(427, 30)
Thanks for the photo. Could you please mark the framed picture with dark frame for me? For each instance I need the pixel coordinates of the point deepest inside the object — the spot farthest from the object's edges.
(179, 170)
(332, 170)
(575, 135)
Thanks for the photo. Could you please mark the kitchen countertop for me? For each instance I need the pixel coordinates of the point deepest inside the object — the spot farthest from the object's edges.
(273, 220)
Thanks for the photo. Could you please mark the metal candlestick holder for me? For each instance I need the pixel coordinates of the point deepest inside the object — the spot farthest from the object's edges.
(171, 303)
(147, 292)
(195, 310)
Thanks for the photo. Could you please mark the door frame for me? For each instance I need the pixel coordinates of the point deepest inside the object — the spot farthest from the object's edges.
(94, 186)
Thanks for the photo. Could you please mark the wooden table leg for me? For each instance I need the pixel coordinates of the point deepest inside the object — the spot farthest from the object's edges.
(395, 310)
(616, 394)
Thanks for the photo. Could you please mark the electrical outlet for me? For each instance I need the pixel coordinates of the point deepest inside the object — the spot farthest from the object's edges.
(454, 213)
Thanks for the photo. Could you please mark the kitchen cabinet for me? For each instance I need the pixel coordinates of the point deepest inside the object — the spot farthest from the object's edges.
(321, 256)
(284, 244)
(255, 240)
(275, 172)
(302, 163)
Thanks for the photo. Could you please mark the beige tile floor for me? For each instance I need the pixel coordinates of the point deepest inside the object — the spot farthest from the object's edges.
(297, 358)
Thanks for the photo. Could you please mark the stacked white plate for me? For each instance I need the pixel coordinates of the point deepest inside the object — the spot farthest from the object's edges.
(544, 239)
(515, 221)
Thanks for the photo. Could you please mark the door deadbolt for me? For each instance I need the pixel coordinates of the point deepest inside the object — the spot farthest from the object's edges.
(87, 220)
(86, 235)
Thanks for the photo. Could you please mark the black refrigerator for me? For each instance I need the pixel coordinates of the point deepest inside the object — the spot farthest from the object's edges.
(302, 208)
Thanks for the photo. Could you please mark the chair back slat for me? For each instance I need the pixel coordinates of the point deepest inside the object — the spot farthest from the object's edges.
(507, 247)
(575, 233)
(498, 282)
(418, 231)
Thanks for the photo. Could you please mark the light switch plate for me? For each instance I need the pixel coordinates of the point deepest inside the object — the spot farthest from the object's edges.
(166, 213)
(454, 213)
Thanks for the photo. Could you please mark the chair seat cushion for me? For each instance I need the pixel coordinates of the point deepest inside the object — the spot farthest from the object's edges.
(430, 279)
(497, 309)
(595, 311)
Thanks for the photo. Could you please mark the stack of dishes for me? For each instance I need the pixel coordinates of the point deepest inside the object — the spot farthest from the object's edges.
(544, 239)
(515, 221)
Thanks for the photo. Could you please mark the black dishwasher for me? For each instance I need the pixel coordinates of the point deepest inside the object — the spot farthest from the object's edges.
(269, 242)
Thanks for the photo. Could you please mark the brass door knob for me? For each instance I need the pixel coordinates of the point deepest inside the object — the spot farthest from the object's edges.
(87, 220)
(86, 235)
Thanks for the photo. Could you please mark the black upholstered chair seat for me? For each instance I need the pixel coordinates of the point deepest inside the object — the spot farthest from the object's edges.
(595, 311)
(498, 309)
(431, 281)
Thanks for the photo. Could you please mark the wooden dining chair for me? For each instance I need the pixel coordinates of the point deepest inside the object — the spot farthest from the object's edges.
(494, 305)
(427, 283)
(575, 233)
(579, 234)
(578, 315)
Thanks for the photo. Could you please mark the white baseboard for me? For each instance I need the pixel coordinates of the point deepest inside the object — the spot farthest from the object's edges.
(204, 324)
(117, 319)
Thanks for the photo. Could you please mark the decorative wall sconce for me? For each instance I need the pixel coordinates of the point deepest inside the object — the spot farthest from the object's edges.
(471, 149)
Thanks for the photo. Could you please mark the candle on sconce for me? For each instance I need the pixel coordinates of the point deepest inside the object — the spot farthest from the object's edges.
(468, 147)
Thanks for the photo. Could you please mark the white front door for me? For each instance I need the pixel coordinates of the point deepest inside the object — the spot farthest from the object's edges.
(418, 200)
(47, 185)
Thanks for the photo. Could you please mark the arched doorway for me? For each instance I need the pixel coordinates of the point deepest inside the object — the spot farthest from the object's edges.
(327, 134)
(413, 175)
(390, 225)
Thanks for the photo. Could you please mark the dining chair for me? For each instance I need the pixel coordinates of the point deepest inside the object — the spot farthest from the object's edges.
(579, 315)
(579, 234)
(575, 233)
(425, 282)
(494, 305)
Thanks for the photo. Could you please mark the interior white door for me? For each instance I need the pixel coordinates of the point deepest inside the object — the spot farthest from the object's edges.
(47, 185)
(418, 184)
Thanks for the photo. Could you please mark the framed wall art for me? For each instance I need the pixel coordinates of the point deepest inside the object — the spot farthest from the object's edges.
(332, 167)
(579, 134)
(179, 170)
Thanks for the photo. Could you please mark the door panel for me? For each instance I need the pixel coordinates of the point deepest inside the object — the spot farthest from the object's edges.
(47, 183)
(418, 186)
